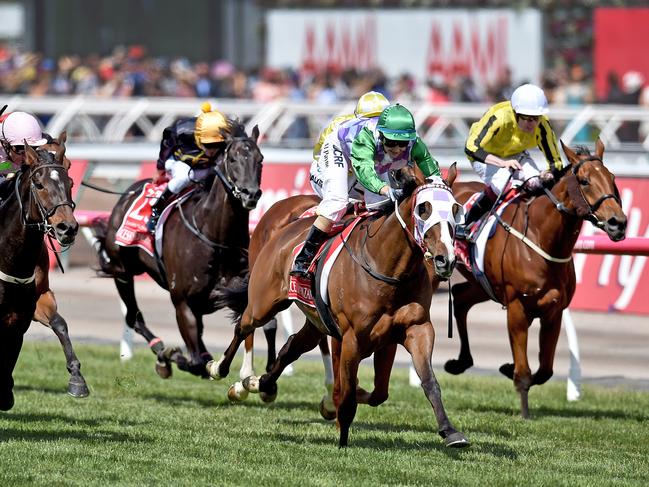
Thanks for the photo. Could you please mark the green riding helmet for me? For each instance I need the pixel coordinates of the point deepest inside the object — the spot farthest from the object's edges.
(397, 123)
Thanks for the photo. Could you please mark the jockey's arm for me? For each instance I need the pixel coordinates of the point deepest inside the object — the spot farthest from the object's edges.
(547, 143)
(363, 154)
(423, 158)
(479, 137)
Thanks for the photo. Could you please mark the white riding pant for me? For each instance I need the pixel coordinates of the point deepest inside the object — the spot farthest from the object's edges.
(182, 175)
(333, 179)
(496, 177)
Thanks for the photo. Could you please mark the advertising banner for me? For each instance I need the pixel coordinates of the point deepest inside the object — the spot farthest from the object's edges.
(425, 43)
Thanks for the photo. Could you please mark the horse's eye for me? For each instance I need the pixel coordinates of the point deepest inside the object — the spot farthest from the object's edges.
(38, 185)
(424, 210)
(584, 182)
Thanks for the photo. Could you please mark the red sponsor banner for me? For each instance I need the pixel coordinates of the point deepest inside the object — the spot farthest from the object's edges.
(621, 37)
(618, 282)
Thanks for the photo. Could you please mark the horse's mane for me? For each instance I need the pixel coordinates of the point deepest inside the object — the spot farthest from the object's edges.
(235, 128)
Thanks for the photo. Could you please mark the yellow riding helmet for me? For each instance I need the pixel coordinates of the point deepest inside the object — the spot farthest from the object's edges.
(371, 104)
(210, 126)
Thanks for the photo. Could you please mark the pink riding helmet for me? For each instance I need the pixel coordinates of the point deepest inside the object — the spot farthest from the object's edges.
(21, 127)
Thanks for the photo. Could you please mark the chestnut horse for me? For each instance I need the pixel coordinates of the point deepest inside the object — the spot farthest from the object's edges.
(205, 246)
(379, 295)
(528, 262)
(40, 204)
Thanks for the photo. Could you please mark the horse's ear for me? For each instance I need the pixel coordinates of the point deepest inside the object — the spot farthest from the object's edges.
(572, 157)
(451, 175)
(60, 151)
(255, 133)
(30, 154)
(62, 138)
(419, 175)
(599, 148)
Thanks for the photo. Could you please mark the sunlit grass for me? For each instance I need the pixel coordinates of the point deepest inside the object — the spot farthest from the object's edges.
(136, 429)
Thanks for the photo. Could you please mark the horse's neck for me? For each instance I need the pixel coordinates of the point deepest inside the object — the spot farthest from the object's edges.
(20, 246)
(558, 230)
(388, 239)
(221, 219)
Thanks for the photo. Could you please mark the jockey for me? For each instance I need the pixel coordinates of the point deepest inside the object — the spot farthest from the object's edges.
(355, 162)
(190, 144)
(497, 146)
(16, 128)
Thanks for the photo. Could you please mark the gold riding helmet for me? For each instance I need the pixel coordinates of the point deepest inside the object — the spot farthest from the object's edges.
(211, 126)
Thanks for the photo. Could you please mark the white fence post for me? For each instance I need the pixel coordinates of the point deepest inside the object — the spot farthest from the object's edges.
(573, 388)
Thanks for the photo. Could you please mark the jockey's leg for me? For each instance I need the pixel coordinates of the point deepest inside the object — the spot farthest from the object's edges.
(316, 237)
(179, 180)
(482, 205)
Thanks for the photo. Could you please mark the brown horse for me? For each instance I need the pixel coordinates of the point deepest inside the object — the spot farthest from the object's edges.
(205, 246)
(529, 265)
(41, 204)
(379, 294)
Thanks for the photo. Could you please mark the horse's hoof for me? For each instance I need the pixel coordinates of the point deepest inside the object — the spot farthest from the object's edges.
(456, 367)
(264, 396)
(212, 368)
(7, 401)
(237, 393)
(456, 440)
(507, 370)
(78, 389)
(163, 369)
(251, 383)
(326, 412)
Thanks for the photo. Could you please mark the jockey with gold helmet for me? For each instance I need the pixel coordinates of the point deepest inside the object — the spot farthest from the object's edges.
(498, 145)
(355, 161)
(190, 144)
(16, 130)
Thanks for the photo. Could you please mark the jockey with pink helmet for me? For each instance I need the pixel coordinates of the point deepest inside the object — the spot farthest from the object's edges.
(16, 130)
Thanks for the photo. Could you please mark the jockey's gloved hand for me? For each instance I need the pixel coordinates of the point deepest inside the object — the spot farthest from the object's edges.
(395, 194)
(547, 178)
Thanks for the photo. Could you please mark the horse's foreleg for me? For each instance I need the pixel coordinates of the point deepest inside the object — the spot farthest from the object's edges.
(518, 324)
(11, 341)
(270, 332)
(383, 361)
(303, 341)
(190, 325)
(548, 338)
(327, 405)
(132, 314)
(419, 343)
(465, 296)
(219, 370)
(348, 379)
(47, 314)
(247, 366)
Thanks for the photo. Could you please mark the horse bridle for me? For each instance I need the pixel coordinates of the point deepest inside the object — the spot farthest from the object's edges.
(42, 226)
(224, 173)
(584, 209)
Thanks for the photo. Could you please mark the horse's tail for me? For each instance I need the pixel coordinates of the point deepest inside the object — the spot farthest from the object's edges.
(235, 296)
(99, 229)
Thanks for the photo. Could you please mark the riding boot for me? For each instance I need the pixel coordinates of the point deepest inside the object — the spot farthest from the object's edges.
(303, 260)
(481, 206)
(157, 208)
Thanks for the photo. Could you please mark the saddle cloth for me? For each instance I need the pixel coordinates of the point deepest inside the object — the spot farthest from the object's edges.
(133, 232)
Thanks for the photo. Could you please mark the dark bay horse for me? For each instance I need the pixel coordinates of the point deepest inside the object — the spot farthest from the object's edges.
(205, 246)
(379, 294)
(41, 204)
(538, 283)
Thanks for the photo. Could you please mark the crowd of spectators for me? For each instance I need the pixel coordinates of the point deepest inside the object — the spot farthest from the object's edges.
(128, 72)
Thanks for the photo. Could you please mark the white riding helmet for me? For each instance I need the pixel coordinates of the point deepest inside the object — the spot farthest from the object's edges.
(371, 104)
(21, 127)
(529, 100)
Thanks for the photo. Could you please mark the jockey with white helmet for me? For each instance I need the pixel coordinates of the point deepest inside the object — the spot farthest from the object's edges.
(355, 161)
(498, 145)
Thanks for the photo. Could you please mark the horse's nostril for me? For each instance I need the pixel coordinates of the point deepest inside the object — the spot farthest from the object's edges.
(440, 260)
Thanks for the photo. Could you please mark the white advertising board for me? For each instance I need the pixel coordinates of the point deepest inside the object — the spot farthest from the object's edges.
(424, 43)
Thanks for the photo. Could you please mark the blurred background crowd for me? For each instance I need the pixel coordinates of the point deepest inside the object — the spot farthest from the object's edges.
(129, 71)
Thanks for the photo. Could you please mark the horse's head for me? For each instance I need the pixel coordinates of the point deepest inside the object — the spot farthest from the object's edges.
(434, 216)
(45, 192)
(593, 192)
(240, 169)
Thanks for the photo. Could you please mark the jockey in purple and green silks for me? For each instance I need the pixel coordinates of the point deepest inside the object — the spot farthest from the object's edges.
(355, 162)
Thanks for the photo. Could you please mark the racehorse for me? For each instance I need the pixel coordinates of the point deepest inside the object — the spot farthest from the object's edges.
(379, 292)
(41, 204)
(204, 246)
(528, 262)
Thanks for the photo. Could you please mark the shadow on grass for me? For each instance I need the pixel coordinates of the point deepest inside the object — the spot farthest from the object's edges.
(541, 412)
(26, 418)
(94, 435)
